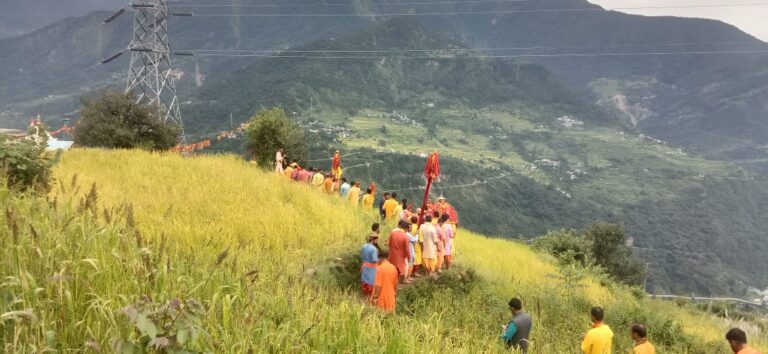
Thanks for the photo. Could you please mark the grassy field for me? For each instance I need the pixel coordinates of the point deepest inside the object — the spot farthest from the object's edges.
(124, 231)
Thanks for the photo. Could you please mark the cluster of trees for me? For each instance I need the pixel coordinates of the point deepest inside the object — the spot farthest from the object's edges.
(599, 245)
(116, 121)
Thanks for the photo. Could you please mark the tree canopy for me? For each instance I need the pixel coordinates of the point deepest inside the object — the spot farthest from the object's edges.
(270, 130)
(116, 121)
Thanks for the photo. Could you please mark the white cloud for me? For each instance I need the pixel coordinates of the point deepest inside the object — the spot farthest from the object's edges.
(750, 19)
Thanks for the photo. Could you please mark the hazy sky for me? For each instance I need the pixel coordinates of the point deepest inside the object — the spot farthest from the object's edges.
(750, 19)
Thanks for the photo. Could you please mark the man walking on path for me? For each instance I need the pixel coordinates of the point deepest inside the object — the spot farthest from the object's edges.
(599, 339)
(429, 247)
(412, 239)
(389, 209)
(448, 235)
(370, 256)
(317, 179)
(737, 339)
(383, 201)
(417, 255)
(640, 336)
(306, 175)
(368, 200)
(354, 194)
(398, 250)
(440, 240)
(385, 284)
(328, 184)
(517, 331)
(344, 188)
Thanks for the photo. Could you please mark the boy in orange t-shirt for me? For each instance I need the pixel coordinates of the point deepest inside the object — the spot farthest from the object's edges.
(385, 284)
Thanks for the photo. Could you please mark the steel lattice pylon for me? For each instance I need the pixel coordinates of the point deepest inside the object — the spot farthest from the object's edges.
(151, 75)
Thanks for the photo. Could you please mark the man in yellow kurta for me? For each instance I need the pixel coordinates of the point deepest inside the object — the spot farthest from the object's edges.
(599, 339)
(317, 179)
(353, 195)
(389, 208)
(417, 255)
(368, 200)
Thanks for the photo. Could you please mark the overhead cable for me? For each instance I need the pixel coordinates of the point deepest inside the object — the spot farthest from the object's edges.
(349, 4)
(247, 51)
(559, 55)
(521, 11)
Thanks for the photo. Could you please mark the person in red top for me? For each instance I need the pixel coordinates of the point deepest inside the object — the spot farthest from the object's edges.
(385, 285)
(737, 339)
(399, 249)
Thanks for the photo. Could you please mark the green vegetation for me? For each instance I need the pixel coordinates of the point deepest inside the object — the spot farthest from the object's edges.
(602, 245)
(495, 119)
(270, 130)
(24, 164)
(116, 121)
(225, 238)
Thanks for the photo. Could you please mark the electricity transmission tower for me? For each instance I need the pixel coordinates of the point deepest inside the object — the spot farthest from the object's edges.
(151, 75)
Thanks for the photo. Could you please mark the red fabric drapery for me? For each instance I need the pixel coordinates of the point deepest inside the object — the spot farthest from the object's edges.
(431, 172)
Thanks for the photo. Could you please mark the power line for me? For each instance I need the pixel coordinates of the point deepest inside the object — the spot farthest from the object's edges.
(513, 56)
(348, 4)
(522, 11)
(678, 44)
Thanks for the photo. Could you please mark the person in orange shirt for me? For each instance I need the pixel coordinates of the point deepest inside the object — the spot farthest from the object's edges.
(640, 335)
(737, 339)
(385, 284)
(328, 183)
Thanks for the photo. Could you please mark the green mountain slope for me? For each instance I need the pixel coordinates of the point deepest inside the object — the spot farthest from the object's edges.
(526, 154)
(407, 81)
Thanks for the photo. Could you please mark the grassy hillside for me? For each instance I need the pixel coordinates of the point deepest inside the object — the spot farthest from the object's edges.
(264, 259)
(521, 171)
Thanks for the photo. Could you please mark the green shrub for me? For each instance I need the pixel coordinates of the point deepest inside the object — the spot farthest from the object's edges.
(600, 245)
(25, 165)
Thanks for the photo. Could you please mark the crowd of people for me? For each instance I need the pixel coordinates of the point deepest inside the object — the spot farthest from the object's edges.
(424, 247)
(599, 338)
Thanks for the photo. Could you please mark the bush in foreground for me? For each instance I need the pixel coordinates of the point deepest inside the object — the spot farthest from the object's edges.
(25, 165)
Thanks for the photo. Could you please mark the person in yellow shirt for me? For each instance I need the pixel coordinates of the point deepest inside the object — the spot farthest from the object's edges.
(640, 335)
(353, 195)
(599, 339)
(317, 179)
(417, 261)
(737, 339)
(368, 200)
(389, 208)
(398, 212)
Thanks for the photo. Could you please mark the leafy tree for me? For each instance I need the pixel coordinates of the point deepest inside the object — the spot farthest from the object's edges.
(600, 244)
(610, 251)
(24, 164)
(270, 130)
(116, 121)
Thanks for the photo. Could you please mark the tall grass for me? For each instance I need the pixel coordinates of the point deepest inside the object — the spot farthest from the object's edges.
(257, 252)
